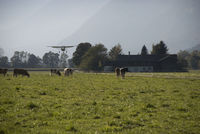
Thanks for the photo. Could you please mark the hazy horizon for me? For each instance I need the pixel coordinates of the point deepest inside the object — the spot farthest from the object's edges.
(32, 25)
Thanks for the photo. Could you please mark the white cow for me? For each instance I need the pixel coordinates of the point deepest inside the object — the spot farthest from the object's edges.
(68, 71)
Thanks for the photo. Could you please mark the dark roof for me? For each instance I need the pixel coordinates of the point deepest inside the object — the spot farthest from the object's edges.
(139, 57)
(174, 56)
(144, 57)
(126, 60)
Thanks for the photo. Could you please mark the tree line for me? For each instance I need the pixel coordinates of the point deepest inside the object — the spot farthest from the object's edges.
(91, 57)
(22, 59)
(88, 57)
(189, 60)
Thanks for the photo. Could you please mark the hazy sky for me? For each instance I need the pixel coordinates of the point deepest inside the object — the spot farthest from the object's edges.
(133, 23)
(32, 25)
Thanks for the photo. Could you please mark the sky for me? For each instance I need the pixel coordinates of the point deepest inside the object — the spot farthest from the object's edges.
(32, 25)
(134, 23)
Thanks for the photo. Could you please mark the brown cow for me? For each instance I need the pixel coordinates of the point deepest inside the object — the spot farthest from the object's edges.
(123, 71)
(3, 71)
(20, 72)
(117, 71)
(55, 71)
(68, 71)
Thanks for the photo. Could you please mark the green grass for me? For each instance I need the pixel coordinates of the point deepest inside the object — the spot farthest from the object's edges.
(148, 103)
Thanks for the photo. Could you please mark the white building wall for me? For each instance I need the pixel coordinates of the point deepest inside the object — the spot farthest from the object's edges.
(140, 68)
(107, 68)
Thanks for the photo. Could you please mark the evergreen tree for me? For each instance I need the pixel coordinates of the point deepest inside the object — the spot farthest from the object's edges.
(159, 49)
(144, 50)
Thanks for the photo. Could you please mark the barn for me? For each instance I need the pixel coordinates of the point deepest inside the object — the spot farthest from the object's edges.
(144, 63)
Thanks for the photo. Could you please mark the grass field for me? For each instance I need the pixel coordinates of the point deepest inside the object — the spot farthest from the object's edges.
(89, 103)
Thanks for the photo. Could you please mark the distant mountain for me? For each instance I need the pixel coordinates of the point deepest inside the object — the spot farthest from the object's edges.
(197, 47)
(133, 23)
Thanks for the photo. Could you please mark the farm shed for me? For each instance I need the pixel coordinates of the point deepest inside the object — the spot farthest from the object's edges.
(144, 63)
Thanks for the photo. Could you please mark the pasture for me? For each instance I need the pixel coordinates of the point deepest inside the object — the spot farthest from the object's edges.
(142, 103)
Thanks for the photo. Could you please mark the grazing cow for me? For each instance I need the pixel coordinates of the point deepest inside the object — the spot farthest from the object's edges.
(68, 71)
(55, 71)
(117, 71)
(3, 71)
(20, 72)
(123, 71)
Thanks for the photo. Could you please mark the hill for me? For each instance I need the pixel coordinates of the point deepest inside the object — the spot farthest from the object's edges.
(135, 23)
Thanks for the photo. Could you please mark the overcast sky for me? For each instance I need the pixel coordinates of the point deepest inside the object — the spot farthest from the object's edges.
(32, 25)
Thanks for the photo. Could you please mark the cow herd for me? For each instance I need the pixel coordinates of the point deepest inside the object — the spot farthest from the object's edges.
(16, 72)
(121, 72)
(20, 72)
(67, 72)
(55, 71)
(23, 72)
(3, 71)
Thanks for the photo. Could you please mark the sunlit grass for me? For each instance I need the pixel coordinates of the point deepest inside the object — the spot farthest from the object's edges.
(100, 103)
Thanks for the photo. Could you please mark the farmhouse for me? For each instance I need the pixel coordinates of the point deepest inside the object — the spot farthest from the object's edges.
(144, 63)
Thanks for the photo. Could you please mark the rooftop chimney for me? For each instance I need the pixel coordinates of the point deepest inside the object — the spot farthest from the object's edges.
(129, 53)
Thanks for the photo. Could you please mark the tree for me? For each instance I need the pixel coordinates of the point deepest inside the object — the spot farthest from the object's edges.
(63, 60)
(1, 52)
(70, 63)
(15, 59)
(4, 61)
(144, 50)
(81, 49)
(19, 59)
(33, 61)
(115, 51)
(183, 57)
(189, 59)
(159, 48)
(94, 58)
(194, 59)
(51, 59)
(183, 54)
